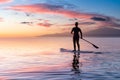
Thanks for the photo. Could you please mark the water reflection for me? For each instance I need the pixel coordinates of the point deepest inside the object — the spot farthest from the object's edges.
(76, 64)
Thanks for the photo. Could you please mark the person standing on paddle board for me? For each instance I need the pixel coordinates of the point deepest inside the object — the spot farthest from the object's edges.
(77, 33)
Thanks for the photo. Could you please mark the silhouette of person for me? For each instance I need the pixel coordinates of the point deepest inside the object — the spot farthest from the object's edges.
(75, 31)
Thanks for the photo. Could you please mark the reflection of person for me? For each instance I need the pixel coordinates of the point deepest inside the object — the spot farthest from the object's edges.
(75, 63)
(75, 31)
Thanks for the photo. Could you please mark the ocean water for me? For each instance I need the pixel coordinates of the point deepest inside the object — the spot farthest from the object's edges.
(41, 59)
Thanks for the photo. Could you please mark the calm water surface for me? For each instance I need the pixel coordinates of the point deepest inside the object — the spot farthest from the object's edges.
(41, 59)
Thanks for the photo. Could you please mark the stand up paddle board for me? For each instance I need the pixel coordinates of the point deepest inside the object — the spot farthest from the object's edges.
(67, 50)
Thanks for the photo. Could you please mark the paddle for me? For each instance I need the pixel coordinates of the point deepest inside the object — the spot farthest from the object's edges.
(91, 43)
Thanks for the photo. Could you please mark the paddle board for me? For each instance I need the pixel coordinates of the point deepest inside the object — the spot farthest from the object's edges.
(68, 50)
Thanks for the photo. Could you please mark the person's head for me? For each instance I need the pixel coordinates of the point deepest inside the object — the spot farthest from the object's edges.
(76, 24)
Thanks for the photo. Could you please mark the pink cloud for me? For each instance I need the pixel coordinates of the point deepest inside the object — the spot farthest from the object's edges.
(100, 20)
(50, 9)
(45, 24)
(5, 1)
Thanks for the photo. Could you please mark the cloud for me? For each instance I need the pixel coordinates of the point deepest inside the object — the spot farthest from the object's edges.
(5, 1)
(65, 4)
(80, 23)
(28, 23)
(87, 23)
(41, 23)
(1, 19)
(45, 24)
(99, 19)
(40, 19)
(73, 19)
(106, 21)
(83, 18)
(50, 9)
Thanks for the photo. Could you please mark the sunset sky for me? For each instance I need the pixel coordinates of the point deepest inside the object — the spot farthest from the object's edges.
(29, 18)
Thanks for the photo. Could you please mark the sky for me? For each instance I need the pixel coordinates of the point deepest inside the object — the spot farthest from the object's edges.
(30, 18)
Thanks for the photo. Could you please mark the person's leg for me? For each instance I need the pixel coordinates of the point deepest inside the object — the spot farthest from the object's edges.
(78, 44)
(74, 44)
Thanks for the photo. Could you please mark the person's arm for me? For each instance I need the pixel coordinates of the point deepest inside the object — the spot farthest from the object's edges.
(81, 34)
(72, 31)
